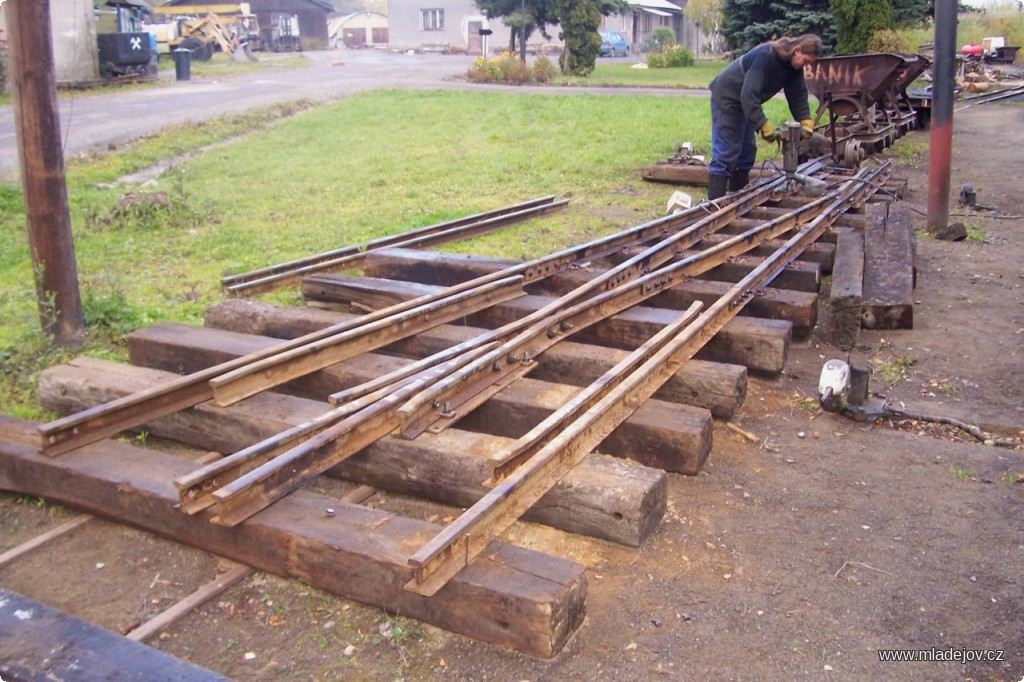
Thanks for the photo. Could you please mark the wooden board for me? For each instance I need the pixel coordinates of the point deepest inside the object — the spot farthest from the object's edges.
(513, 597)
(798, 307)
(889, 251)
(718, 387)
(760, 345)
(842, 319)
(679, 433)
(41, 643)
(685, 174)
(447, 468)
(799, 275)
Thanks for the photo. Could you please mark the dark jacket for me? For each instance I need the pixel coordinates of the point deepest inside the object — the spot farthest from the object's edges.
(755, 78)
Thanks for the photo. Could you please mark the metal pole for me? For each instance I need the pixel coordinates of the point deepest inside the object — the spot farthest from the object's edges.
(941, 141)
(37, 125)
(522, 32)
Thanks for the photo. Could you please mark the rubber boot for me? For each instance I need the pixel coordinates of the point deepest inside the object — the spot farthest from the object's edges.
(717, 186)
(738, 180)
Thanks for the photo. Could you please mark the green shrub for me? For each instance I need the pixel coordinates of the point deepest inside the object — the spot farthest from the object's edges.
(544, 70)
(673, 56)
(889, 41)
(659, 39)
(508, 68)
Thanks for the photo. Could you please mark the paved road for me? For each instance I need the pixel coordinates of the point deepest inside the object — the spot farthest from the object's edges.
(97, 121)
(94, 122)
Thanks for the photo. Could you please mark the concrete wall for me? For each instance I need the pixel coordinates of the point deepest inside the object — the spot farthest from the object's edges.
(74, 40)
(73, 37)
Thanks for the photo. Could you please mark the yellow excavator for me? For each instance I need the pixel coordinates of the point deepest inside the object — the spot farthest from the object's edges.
(203, 29)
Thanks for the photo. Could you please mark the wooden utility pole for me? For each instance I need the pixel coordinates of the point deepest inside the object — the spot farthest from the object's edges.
(941, 139)
(37, 121)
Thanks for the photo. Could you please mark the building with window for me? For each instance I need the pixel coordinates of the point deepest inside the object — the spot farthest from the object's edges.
(359, 30)
(310, 14)
(456, 25)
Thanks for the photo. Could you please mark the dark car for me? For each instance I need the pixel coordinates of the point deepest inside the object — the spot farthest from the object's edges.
(613, 43)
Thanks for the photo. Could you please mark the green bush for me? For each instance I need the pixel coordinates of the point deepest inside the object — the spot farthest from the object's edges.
(889, 41)
(659, 39)
(544, 70)
(508, 68)
(673, 56)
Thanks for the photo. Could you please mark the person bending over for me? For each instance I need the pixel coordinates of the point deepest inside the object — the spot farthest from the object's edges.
(736, 97)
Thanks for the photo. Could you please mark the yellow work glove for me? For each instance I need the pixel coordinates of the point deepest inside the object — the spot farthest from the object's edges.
(767, 132)
(806, 128)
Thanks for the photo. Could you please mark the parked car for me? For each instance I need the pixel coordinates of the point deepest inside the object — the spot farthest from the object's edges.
(613, 43)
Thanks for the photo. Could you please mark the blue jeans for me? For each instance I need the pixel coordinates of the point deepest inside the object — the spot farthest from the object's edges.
(733, 146)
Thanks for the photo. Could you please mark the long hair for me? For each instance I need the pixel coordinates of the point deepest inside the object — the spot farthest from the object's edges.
(808, 43)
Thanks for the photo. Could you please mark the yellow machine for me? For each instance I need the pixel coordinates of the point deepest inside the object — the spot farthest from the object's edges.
(231, 28)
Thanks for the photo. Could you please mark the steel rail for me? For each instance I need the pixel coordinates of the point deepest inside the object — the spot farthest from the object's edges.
(684, 238)
(274, 478)
(195, 489)
(90, 425)
(257, 489)
(351, 260)
(264, 374)
(446, 554)
(557, 318)
(382, 242)
(985, 98)
(503, 463)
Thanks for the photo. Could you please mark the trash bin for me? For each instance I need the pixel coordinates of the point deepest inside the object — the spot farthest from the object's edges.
(183, 64)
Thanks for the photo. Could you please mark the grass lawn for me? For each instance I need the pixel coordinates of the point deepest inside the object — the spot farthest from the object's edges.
(290, 182)
(615, 73)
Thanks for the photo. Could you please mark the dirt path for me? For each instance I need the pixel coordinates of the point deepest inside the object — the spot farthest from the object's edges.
(799, 556)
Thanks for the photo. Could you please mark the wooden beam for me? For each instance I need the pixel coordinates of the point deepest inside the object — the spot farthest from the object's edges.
(718, 387)
(41, 643)
(449, 468)
(841, 326)
(684, 174)
(427, 267)
(760, 345)
(261, 375)
(889, 254)
(515, 598)
(676, 438)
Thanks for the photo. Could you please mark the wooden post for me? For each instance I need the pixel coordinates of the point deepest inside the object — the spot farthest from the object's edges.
(941, 135)
(37, 121)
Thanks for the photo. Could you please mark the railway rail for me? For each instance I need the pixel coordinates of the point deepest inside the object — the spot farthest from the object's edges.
(652, 311)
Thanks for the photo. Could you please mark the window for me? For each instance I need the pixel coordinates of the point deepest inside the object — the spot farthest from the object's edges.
(433, 19)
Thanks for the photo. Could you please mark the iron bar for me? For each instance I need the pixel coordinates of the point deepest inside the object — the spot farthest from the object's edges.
(255, 488)
(195, 489)
(350, 257)
(72, 431)
(446, 554)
